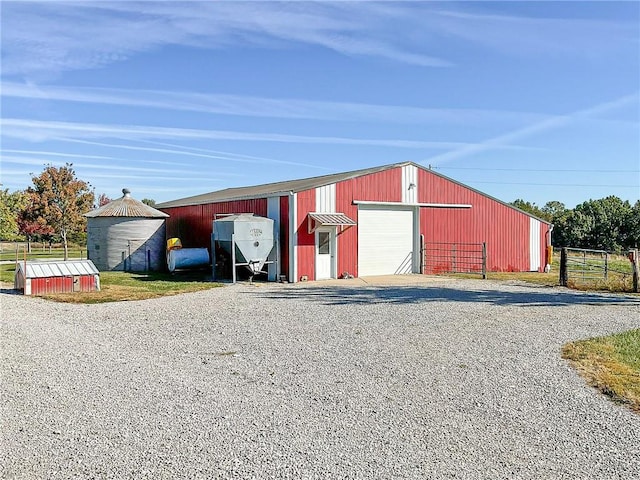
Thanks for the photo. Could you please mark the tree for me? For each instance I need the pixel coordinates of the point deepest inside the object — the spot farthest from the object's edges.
(529, 207)
(608, 216)
(604, 224)
(149, 201)
(30, 223)
(10, 206)
(61, 200)
(103, 200)
(633, 226)
(553, 210)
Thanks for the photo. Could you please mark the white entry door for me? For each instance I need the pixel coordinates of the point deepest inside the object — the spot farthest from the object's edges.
(325, 253)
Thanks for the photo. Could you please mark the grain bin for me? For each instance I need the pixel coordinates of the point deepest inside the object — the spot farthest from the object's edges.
(244, 240)
(125, 234)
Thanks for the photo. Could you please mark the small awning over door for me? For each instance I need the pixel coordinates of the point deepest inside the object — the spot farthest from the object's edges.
(315, 220)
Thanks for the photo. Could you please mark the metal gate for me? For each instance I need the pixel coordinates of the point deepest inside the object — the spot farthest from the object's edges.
(440, 257)
(583, 265)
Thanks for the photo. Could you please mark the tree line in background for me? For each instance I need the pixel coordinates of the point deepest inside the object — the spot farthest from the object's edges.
(53, 209)
(609, 223)
(50, 210)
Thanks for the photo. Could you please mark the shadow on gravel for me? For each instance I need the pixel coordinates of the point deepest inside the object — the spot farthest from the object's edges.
(369, 295)
(10, 291)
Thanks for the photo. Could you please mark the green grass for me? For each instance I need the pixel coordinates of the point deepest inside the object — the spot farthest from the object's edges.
(8, 252)
(123, 286)
(611, 364)
(619, 278)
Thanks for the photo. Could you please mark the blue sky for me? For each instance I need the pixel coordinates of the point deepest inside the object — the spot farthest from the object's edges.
(533, 100)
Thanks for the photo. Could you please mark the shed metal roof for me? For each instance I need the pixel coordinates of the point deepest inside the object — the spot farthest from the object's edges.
(58, 268)
(270, 189)
(126, 206)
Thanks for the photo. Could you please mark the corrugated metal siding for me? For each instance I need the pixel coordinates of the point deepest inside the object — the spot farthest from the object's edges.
(129, 243)
(87, 283)
(505, 230)
(410, 184)
(284, 237)
(193, 224)
(45, 286)
(535, 257)
(544, 242)
(383, 186)
(326, 198)
(306, 246)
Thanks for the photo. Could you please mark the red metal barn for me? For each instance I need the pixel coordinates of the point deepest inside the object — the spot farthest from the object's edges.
(42, 278)
(370, 222)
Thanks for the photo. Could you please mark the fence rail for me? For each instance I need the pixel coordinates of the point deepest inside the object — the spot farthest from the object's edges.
(582, 266)
(441, 257)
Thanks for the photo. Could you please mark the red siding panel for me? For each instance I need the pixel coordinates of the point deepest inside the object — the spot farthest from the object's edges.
(193, 224)
(87, 283)
(306, 245)
(284, 237)
(505, 229)
(49, 285)
(379, 187)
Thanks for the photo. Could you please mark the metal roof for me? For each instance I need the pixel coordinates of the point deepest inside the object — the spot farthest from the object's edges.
(295, 186)
(126, 206)
(58, 269)
(270, 189)
(331, 219)
(317, 219)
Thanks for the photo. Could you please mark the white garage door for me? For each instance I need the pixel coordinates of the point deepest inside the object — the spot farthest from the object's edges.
(385, 241)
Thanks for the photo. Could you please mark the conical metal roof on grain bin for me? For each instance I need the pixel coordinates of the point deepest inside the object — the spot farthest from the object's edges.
(126, 206)
(253, 237)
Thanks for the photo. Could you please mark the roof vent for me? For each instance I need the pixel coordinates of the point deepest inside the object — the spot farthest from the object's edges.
(127, 192)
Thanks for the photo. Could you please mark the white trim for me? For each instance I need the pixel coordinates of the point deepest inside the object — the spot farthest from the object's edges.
(535, 260)
(326, 198)
(409, 184)
(425, 205)
(273, 212)
(293, 237)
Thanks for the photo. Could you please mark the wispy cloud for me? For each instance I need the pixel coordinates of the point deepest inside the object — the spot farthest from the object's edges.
(53, 37)
(37, 130)
(498, 142)
(39, 161)
(537, 35)
(264, 107)
(187, 151)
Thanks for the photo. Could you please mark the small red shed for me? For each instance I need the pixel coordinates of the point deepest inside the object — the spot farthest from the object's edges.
(42, 278)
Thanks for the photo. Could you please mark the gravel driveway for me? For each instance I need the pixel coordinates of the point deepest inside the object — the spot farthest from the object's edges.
(451, 379)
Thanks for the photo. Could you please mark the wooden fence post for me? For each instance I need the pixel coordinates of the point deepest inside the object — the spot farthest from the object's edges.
(564, 277)
(633, 256)
(484, 260)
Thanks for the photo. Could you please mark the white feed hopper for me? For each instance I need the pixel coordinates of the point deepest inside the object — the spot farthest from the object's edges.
(248, 239)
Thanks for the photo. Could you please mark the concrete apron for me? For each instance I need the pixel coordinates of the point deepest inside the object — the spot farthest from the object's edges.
(378, 280)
